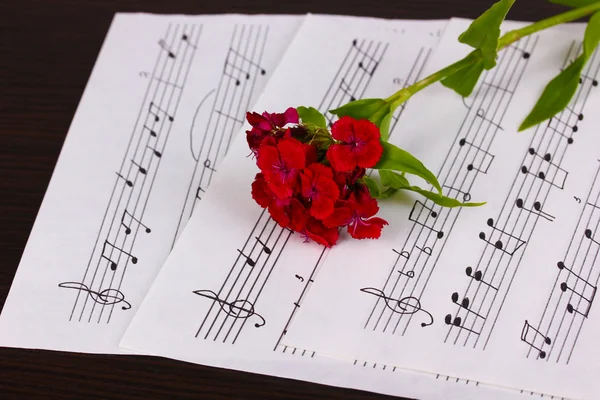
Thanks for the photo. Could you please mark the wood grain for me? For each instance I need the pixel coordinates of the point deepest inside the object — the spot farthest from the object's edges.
(47, 51)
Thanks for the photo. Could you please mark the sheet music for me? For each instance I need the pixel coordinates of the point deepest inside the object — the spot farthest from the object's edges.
(233, 283)
(505, 293)
(161, 107)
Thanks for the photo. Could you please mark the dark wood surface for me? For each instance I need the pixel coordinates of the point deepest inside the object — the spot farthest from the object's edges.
(47, 51)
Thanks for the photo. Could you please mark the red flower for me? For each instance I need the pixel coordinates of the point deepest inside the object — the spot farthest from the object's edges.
(359, 144)
(281, 163)
(346, 181)
(357, 213)
(319, 187)
(268, 124)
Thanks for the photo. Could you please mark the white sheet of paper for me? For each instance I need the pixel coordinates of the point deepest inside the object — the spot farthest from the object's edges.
(158, 113)
(503, 293)
(233, 282)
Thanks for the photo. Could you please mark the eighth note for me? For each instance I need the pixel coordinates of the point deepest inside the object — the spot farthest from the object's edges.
(128, 227)
(165, 47)
(127, 181)
(113, 264)
(207, 165)
(478, 277)
(590, 235)
(249, 261)
(457, 322)
(464, 304)
(265, 248)
(524, 334)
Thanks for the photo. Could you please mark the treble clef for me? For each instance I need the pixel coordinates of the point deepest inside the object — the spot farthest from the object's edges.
(242, 309)
(405, 306)
(106, 297)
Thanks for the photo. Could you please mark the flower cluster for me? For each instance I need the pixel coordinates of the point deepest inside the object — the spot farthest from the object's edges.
(310, 179)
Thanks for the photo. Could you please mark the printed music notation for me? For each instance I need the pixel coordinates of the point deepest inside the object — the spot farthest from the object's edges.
(242, 309)
(230, 102)
(573, 292)
(469, 158)
(405, 306)
(523, 212)
(114, 249)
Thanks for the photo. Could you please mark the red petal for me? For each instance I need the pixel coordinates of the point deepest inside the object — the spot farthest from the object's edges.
(341, 158)
(299, 216)
(341, 216)
(343, 129)
(258, 121)
(368, 156)
(321, 170)
(320, 234)
(260, 191)
(367, 229)
(267, 157)
(279, 215)
(365, 205)
(282, 190)
(291, 116)
(292, 153)
(306, 182)
(365, 130)
(327, 187)
(321, 207)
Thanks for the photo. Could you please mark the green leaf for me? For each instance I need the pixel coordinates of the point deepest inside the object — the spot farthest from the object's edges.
(574, 3)
(398, 182)
(393, 179)
(387, 193)
(311, 115)
(559, 92)
(382, 120)
(592, 35)
(396, 159)
(373, 187)
(556, 96)
(463, 82)
(360, 109)
(484, 32)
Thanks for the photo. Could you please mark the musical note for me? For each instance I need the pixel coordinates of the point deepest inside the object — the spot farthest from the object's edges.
(152, 132)
(465, 195)
(128, 226)
(403, 253)
(464, 304)
(106, 297)
(427, 250)
(525, 54)
(481, 113)
(570, 308)
(141, 169)
(249, 61)
(157, 111)
(478, 277)
(127, 181)
(499, 244)
(345, 87)
(410, 274)
(198, 192)
(429, 213)
(301, 279)
(185, 38)
(457, 322)
(524, 334)
(207, 164)
(113, 264)
(265, 248)
(249, 260)
(559, 174)
(166, 47)
(560, 132)
(369, 58)
(588, 78)
(589, 234)
(238, 309)
(404, 306)
(154, 151)
(537, 209)
(486, 160)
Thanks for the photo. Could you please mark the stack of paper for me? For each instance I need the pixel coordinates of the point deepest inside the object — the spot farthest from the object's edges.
(488, 303)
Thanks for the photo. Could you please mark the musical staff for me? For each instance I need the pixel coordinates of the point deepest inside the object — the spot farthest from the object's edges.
(469, 158)
(227, 104)
(539, 174)
(406, 305)
(239, 309)
(99, 288)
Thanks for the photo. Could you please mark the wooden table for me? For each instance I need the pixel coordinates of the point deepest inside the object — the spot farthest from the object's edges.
(47, 50)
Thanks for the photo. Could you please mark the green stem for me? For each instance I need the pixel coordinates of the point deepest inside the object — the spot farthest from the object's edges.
(509, 38)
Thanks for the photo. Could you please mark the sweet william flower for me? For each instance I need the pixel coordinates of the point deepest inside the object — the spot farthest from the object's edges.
(277, 207)
(357, 213)
(281, 162)
(268, 125)
(319, 188)
(358, 144)
(321, 234)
